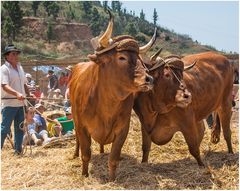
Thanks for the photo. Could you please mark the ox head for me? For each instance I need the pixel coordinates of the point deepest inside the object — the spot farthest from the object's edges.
(169, 86)
(118, 59)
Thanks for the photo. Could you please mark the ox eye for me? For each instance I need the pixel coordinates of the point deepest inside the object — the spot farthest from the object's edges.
(122, 58)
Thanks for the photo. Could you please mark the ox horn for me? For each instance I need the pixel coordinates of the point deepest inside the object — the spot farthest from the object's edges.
(190, 66)
(104, 39)
(146, 47)
(154, 57)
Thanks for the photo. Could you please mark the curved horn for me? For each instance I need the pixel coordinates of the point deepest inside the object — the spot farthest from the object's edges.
(154, 57)
(104, 39)
(146, 47)
(190, 66)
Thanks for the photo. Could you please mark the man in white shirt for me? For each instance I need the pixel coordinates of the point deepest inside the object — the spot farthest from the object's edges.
(13, 85)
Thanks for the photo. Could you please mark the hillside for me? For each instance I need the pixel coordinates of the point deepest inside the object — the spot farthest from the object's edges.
(71, 35)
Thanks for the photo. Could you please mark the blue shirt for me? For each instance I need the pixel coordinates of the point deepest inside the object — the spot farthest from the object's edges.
(41, 121)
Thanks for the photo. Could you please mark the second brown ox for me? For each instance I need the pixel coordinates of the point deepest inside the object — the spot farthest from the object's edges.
(168, 109)
(101, 94)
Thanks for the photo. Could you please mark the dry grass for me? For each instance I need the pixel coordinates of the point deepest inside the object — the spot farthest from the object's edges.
(170, 166)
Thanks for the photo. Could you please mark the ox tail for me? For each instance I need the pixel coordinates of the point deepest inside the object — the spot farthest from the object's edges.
(216, 130)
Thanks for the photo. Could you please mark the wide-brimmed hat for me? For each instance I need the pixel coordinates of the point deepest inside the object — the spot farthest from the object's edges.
(57, 91)
(69, 68)
(28, 75)
(11, 48)
(38, 105)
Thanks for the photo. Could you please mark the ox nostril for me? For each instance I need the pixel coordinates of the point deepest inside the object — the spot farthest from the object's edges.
(186, 96)
(149, 79)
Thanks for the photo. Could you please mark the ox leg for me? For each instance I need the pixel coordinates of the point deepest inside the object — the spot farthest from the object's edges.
(216, 129)
(201, 130)
(146, 145)
(85, 144)
(101, 148)
(76, 153)
(114, 156)
(193, 137)
(225, 118)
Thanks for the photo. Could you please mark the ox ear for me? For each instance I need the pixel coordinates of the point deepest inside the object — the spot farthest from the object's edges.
(190, 66)
(105, 38)
(154, 57)
(145, 48)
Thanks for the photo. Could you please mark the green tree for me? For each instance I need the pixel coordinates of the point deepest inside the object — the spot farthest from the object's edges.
(124, 11)
(8, 27)
(52, 8)
(118, 6)
(131, 29)
(113, 5)
(95, 22)
(142, 15)
(35, 5)
(70, 14)
(87, 7)
(105, 5)
(155, 16)
(49, 32)
(15, 13)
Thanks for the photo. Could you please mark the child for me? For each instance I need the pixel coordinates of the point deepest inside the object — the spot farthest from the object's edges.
(34, 130)
(65, 125)
(30, 126)
(42, 128)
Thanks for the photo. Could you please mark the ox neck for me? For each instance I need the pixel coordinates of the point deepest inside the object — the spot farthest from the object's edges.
(109, 88)
(162, 101)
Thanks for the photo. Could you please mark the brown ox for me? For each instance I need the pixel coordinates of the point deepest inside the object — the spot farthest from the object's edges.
(101, 94)
(210, 82)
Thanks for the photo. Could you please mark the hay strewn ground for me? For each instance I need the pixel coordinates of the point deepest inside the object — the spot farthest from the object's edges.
(170, 166)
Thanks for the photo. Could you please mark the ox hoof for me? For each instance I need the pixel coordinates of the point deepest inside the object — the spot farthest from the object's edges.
(85, 174)
(75, 156)
(201, 165)
(144, 161)
(112, 179)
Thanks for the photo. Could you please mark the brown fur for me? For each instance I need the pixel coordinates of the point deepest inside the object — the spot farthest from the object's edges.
(101, 94)
(210, 83)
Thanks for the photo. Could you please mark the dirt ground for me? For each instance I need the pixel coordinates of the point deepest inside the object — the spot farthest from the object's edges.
(170, 166)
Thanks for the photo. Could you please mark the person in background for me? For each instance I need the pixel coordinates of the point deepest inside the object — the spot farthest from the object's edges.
(58, 98)
(30, 128)
(62, 82)
(37, 94)
(64, 125)
(32, 87)
(67, 103)
(41, 121)
(14, 85)
(31, 83)
(52, 83)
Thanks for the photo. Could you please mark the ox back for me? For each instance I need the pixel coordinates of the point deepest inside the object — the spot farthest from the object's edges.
(210, 82)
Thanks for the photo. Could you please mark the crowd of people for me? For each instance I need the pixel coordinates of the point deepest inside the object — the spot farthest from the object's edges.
(23, 102)
(57, 95)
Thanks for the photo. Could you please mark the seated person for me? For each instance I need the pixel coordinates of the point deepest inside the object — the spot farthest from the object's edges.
(41, 121)
(31, 129)
(58, 98)
(64, 125)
